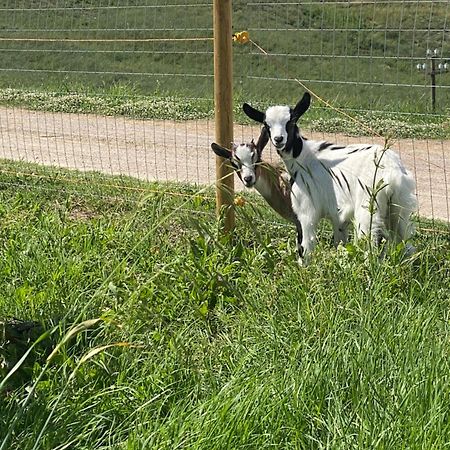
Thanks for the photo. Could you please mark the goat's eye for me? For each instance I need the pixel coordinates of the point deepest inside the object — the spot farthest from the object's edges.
(290, 124)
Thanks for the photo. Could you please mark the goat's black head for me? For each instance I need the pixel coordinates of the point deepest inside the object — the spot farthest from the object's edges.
(280, 122)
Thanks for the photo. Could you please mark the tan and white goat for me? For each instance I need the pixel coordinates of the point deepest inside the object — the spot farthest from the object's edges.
(272, 182)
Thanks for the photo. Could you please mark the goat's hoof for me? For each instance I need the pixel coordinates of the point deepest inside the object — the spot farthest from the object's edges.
(302, 262)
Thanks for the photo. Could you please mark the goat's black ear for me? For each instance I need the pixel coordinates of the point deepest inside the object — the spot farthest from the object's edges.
(302, 106)
(253, 113)
(221, 151)
(262, 140)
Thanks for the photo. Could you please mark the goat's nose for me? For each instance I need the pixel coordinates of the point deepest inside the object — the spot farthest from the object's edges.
(248, 178)
(278, 139)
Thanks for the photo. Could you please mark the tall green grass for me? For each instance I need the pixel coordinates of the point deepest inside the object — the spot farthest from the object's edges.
(198, 340)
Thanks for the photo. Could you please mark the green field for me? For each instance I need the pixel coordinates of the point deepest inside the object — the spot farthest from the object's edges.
(168, 335)
(359, 56)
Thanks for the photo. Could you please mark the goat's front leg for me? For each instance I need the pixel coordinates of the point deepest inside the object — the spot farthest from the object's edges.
(306, 241)
(299, 240)
(306, 223)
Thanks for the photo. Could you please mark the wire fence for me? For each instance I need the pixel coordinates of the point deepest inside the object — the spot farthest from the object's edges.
(126, 87)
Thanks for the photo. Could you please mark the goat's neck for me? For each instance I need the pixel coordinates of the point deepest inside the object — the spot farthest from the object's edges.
(297, 144)
(275, 189)
(293, 152)
(294, 144)
(296, 152)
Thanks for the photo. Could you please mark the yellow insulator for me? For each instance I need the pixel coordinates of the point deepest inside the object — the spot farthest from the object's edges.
(242, 37)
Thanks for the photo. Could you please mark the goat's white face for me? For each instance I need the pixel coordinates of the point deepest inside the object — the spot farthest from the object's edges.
(280, 123)
(245, 158)
(276, 120)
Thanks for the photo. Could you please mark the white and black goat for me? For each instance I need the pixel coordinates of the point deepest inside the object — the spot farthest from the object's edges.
(366, 184)
(272, 182)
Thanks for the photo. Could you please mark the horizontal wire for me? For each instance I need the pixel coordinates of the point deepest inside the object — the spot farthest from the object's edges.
(114, 198)
(296, 30)
(95, 8)
(173, 52)
(193, 75)
(97, 30)
(88, 72)
(146, 52)
(362, 83)
(331, 56)
(383, 111)
(210, 5)
(354, 30)
(349, 2)
(7, 39)
(151, 191)
(83, 180)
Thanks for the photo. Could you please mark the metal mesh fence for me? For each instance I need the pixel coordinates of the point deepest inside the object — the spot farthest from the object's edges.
(126, 87)
(118, 87)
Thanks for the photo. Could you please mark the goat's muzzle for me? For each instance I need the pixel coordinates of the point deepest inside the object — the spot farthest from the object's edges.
(248, 181)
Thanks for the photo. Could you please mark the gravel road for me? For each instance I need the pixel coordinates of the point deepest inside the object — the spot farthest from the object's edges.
(180, 151)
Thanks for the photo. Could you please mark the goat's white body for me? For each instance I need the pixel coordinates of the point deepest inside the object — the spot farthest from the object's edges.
(366, 184)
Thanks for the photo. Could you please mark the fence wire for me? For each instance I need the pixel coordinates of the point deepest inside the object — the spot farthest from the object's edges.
(126, 87)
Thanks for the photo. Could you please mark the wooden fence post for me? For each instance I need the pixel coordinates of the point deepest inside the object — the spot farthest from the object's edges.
(223, 105)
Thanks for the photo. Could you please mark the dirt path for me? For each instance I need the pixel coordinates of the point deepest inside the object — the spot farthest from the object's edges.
(167, 151)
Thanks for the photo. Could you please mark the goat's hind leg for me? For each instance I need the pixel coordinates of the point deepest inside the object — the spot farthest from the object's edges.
(371, 225)
(340, 233)
(401, 227)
